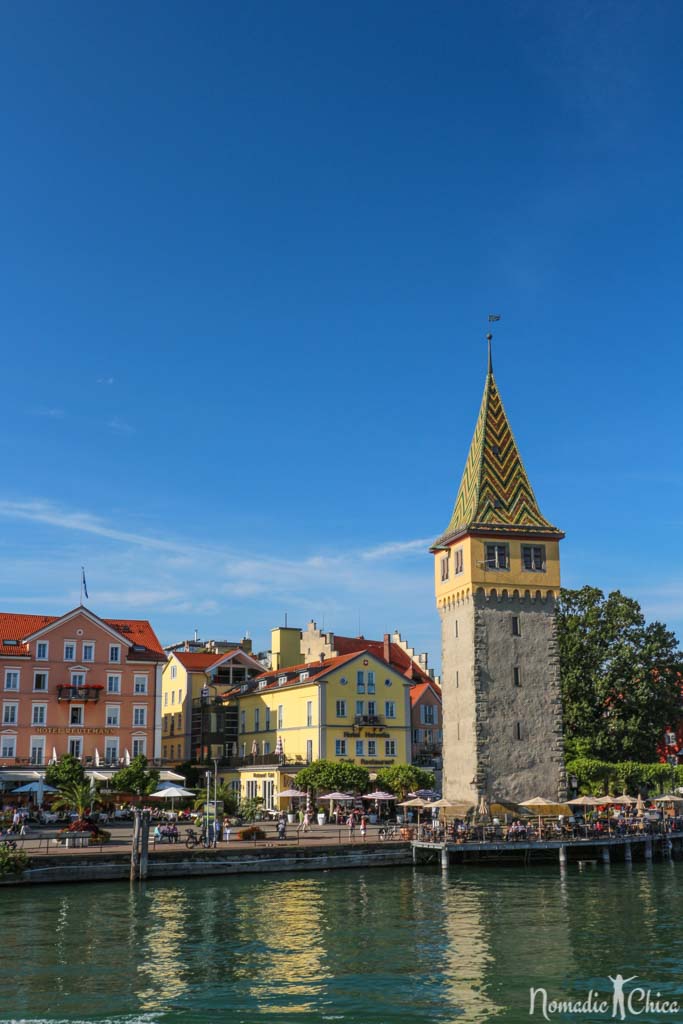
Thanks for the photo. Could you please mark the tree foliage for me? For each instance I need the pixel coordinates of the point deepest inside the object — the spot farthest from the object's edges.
(597, 777)
(75, 796)
(330, 776)
(621, 677)
(402, 779)
(65, 771)
(136, 777)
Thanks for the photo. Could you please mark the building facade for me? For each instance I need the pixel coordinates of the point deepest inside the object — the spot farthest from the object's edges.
(497, 578)
(195, 723)
(77, 684)
(354, 708)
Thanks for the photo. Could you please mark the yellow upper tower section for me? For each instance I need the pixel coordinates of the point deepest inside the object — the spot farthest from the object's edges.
(497, 537)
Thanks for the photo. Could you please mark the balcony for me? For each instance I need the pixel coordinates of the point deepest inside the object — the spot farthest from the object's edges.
(67, 692)
(367, 720)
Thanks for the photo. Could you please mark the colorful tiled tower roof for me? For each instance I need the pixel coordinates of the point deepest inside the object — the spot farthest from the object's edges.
(495, 495)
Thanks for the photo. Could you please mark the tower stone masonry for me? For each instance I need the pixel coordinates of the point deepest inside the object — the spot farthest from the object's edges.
(497, 579)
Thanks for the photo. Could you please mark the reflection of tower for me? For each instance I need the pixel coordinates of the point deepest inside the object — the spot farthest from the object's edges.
(497, 574)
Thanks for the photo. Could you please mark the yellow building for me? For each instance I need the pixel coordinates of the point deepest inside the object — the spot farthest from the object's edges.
(193, 721)
(354, 708)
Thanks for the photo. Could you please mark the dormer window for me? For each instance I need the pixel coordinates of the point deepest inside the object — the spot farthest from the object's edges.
(282, 680)
(302, 676)
(10, 643)
(262, 685)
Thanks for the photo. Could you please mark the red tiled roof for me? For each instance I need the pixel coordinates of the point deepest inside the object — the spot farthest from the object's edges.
(14, 626)
(397, 656)
(197, 661)
(418, 691)
(315, 670)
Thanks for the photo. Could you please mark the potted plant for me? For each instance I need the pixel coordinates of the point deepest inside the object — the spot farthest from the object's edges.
(321, 816)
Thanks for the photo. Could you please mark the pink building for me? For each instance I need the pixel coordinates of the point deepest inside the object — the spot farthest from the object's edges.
(78, 684)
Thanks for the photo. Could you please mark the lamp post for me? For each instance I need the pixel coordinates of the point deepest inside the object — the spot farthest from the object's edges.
(215, 802)
(207, 841)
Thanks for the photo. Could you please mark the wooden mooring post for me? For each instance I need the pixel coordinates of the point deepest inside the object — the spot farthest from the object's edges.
(135, 848)
(144, 845)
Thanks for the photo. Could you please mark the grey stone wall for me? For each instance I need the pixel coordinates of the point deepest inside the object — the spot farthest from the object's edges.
(505, 738)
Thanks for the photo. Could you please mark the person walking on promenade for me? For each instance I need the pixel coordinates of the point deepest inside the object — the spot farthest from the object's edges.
(351, 822)
(363, 825)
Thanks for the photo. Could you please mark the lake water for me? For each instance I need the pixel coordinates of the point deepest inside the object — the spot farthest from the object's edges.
(380, 946)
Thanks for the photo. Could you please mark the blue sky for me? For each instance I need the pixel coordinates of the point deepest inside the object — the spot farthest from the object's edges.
(248, 255)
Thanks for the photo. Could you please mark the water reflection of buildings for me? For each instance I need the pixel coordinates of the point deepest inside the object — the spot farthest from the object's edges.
(162, 966)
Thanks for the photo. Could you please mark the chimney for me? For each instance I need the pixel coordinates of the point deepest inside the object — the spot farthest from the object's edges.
(322, 657)
(387, 647)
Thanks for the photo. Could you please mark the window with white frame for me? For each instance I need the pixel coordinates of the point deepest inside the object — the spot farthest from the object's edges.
(40, 681)
(69, 650)
(427, 714)
(174, 671)
(371, 682)
(267, 721)
(115, 653)
(111, 749)
(360, 682)
(359, 748)
(10, 714)
(390, 748)
(340, 709)
(75, 746)
(11, 679)
(166, 699)
(76, 714)
(445, 566)
(280, 716)
(309, 751)
(113, 684)
(8, 746)
(243, 720)
(390, 709)
(458, 561)
(140, 716)
(372, 748)
(497, 556)
(340, 748)
(39, 714)
(309, 712)
(372, 707)
(533, 557)
(88, 650)
(360, 707)
(139, 746)
(252, 789)
(78, 679)
(37, 747)
(113, 715)
(140, 684)
(257, 719)
(42, 649)
(266, 747)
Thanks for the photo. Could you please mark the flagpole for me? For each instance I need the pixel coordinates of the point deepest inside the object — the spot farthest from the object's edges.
(82, 571)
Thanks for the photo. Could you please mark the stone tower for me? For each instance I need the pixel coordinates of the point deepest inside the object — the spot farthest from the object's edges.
(497, 577)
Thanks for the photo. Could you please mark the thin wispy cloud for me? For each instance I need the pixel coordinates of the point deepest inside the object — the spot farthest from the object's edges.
(120, 426)
(398, 547)
(49, 413)
(106, 380)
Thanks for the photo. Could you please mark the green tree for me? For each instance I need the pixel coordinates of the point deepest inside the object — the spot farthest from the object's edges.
(136, 778)
(621, 677)
(402, 779)
(76, 796)
(68, 769)
(330, 776)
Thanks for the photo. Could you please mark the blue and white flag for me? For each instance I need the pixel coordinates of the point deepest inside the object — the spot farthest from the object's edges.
(83, 583)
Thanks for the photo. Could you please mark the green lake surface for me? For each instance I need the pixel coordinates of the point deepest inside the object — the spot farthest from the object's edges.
(376, 946)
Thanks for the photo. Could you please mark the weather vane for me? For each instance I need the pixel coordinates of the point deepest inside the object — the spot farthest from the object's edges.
(493, 318)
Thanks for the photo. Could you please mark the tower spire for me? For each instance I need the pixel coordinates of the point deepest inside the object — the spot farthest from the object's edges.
(489, 338)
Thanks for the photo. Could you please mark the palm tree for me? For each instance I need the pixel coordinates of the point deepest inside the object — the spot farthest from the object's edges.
(76, 796)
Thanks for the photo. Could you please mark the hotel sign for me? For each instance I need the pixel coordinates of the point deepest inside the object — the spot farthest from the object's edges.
(77, 729)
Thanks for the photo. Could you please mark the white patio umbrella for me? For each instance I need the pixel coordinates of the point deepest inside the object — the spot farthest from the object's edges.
(126, 757)
(280, 747)
(171, 793)
(291, 792)
(379, 794)
(54, 754)
(97, 758)
(339, 797)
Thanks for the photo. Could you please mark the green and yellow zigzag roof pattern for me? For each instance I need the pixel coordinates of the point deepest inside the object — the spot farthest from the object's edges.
(495, 495)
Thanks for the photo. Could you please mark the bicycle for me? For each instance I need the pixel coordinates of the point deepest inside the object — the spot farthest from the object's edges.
(193, 838)
(389, 832)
